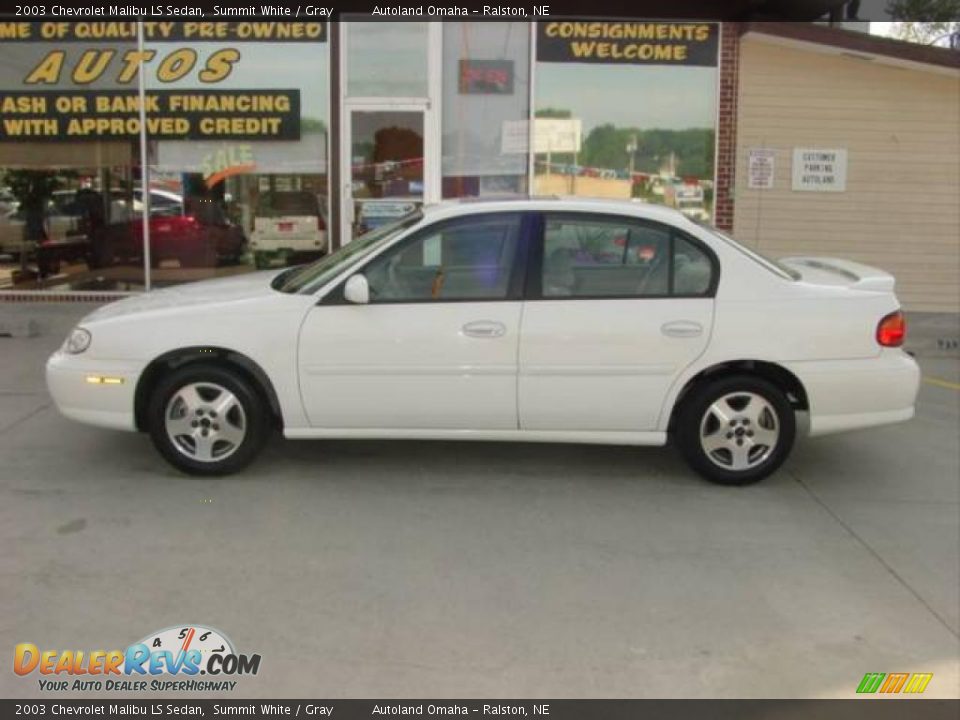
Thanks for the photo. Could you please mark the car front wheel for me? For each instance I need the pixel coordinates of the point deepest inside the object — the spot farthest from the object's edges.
(207, 420)
(736, 430)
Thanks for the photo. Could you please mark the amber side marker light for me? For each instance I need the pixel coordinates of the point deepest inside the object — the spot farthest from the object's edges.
(101, 380)
(892, 330)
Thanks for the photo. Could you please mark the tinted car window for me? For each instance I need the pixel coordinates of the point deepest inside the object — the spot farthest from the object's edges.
(467, 260)
(587, 257)
(692, 269)
(598, 257)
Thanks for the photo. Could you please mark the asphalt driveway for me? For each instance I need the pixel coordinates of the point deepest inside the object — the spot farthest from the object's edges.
(383, 569)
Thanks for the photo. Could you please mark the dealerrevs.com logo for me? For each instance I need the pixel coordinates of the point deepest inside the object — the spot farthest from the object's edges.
(172, 659)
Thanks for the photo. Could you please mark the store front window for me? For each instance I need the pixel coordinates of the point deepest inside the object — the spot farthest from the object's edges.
(252, 179)
(61, 174)
(486, 91)
(236, 167)
(387, 59)
(627, 110)
(235, 173)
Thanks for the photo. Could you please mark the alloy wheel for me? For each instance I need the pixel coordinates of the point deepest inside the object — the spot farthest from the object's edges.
(739, 431)
(205, 422)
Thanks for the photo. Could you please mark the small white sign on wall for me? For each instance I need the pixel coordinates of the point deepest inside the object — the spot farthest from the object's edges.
(820, 169)
(761, 169)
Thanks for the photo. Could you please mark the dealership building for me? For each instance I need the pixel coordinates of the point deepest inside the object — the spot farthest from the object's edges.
(268, 143)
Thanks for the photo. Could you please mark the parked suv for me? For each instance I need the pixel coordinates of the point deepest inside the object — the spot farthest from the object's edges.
(287, 224)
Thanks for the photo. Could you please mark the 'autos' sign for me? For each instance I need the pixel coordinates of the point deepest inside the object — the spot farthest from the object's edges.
(66, 81)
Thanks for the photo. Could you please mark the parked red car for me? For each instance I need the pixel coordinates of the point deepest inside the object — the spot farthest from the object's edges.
(196, 233)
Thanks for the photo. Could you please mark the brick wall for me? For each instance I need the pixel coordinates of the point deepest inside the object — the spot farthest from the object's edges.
(727, 125)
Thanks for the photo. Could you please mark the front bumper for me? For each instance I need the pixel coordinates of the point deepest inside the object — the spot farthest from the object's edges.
(854, 394)
(96, 392)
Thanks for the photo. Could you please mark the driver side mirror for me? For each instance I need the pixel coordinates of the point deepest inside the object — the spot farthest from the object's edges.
(357, 290)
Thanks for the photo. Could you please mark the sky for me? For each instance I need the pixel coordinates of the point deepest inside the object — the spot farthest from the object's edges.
(887, 29)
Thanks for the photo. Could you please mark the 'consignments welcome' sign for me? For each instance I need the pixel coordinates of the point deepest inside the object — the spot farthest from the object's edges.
(630, 43)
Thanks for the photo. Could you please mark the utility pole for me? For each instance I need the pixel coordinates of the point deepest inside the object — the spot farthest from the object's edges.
(632, 148)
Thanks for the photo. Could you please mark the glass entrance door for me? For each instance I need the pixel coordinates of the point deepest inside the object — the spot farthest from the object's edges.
(387, 160)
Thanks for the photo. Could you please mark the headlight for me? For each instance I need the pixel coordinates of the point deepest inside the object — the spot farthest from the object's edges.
(77, 341)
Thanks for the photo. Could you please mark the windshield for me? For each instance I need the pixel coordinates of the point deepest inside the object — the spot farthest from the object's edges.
(768, 263)
(309, 277)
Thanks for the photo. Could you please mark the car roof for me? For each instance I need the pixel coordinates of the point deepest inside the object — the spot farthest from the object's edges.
(555, 203)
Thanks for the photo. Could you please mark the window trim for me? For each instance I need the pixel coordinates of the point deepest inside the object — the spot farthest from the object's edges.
(533, 291)
(518, 274)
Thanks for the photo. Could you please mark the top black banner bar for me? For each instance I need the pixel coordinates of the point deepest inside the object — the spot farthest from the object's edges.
(203, 10)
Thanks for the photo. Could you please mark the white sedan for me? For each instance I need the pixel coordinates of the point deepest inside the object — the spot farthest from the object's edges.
(570, 321)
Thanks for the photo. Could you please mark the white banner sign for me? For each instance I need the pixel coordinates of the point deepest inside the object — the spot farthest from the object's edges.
(819, 170)
(551, 135)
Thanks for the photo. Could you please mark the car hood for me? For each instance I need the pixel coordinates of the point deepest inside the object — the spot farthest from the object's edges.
(207, 292)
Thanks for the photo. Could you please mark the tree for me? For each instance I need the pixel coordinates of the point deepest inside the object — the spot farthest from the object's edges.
(925, 21)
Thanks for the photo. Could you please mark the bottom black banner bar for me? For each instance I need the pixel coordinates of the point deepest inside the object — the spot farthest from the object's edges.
(874, 708)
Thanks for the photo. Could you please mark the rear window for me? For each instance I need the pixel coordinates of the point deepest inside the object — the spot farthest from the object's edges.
(281, 204)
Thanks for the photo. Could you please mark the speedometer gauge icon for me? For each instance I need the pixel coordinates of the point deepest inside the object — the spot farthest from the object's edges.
(183, 638)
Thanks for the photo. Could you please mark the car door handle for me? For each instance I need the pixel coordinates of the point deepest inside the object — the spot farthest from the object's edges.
(682, 329)
(484, 329)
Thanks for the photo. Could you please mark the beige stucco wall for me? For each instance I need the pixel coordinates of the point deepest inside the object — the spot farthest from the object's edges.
(901, 128)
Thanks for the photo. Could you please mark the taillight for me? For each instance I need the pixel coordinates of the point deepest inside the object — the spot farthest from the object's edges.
(321, 225)
(892, 330)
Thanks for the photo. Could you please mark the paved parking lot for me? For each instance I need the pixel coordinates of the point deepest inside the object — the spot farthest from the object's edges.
(388, 569)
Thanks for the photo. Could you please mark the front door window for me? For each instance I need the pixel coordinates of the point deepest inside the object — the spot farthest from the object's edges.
(470, 259)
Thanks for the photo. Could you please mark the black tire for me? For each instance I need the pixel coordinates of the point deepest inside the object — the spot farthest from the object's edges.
(47, 265)
(254, 413)
(100, 254)
(698, 425)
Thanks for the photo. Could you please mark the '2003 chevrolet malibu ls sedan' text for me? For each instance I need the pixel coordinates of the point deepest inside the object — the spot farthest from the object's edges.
(534, 320)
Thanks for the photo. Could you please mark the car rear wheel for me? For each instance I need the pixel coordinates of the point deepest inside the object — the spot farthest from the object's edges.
(736, 430)
(207, 420)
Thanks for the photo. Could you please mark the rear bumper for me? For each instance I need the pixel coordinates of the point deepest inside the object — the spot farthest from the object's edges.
(853, 394)
(70, 380)
(262, 242)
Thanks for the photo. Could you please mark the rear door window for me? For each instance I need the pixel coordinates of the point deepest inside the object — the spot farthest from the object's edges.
(597, 256)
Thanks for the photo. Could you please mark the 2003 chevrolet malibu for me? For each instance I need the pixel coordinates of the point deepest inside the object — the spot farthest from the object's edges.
(531, 320)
